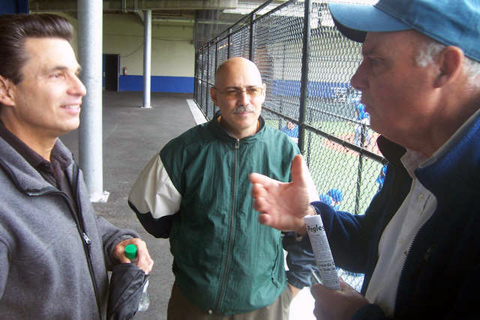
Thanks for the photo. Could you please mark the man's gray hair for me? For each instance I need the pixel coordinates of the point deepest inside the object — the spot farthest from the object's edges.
(432, 48)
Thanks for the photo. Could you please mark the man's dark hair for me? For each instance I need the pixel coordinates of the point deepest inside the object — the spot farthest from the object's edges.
(16, 28)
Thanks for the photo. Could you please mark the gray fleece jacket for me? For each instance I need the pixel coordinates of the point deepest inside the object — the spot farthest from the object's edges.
(44, 269)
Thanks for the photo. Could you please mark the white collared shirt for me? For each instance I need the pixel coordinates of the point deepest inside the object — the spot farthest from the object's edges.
(398, 236)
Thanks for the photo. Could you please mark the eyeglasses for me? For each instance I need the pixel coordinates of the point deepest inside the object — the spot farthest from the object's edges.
(252, 92)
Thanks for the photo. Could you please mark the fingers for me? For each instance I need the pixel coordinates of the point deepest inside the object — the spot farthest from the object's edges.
(298, 169)
(323, 301)
(260, 204)
(260, 193)
(265, 219)
(119, 252)
(261, 184)
(257, 178)
(263, 207)
(336, 304)
(318, 290)
(144, 261)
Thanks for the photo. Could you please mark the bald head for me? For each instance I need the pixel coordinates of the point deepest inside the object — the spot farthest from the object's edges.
(237, 67)
(239, 93)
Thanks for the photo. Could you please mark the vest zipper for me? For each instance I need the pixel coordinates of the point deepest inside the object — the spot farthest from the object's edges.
(230, 237)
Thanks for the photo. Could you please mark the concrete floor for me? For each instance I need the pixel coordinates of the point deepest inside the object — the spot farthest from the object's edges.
(132, 136)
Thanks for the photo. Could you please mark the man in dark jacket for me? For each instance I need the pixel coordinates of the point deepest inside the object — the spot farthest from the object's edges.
(54, 250)
(419, 242)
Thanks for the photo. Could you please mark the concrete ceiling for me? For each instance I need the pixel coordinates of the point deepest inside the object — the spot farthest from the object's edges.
(123, 5)
(173, 11)
(210, 17)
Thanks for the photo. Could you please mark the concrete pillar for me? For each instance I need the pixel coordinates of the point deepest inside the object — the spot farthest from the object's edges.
(147, 59)
(90, 26)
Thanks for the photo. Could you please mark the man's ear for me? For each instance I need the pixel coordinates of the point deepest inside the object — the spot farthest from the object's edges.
(450, 64)
(213, 94)
(7, 97)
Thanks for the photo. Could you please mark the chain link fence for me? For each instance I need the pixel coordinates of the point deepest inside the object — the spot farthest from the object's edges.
(306, 65)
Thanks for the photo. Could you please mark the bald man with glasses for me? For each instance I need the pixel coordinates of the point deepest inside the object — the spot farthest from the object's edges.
(196, 192)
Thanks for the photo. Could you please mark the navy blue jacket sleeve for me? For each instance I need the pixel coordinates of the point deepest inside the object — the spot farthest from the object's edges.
(300, 260)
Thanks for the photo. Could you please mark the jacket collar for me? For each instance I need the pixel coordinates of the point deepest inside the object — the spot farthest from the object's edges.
(390, 150)
(458, 161)
(21, 172)
(223, 134)
(455, 165)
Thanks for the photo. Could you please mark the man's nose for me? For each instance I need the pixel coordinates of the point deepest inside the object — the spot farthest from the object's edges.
(243, 97)
(358, 80)
(77, 87)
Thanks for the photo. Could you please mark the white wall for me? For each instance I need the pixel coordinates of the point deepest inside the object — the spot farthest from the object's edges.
(173, 53)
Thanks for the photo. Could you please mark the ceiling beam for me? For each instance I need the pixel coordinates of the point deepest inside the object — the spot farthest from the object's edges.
(133, 5)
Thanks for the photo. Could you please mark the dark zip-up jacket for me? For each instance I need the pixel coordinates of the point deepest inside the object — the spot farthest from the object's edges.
(54, 257)
(441, 274)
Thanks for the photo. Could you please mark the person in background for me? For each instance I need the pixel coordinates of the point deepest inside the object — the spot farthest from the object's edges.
(381, 177)
(196, 192)
(291, 130)
(333, 198)
(337, 197)
(54, 250)
(325, 198)
(362, 137)
(418, 243)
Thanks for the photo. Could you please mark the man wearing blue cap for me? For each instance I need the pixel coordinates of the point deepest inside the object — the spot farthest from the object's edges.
(419, 242)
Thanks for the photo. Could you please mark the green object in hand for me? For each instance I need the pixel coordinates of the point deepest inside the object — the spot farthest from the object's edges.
(131, 251)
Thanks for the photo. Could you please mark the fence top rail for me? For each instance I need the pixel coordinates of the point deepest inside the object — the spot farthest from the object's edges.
(226, 33)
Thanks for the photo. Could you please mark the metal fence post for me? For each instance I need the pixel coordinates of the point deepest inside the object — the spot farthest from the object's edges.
(229, 41)
(251, 40)
(304, 79)
(195, 77)
(208, 78)
(200, 98)
(216, 58)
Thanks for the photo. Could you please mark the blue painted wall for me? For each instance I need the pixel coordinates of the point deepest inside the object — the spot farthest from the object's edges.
(158, 84)
(13, 6)
(315, 88)
(185, 85)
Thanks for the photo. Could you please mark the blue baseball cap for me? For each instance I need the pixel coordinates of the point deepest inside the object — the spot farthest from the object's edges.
(451, 22)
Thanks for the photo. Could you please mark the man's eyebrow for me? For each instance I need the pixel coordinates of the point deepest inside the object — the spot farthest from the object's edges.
(239, 88)
(58, 67)
(368, 51)
(64, 68)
